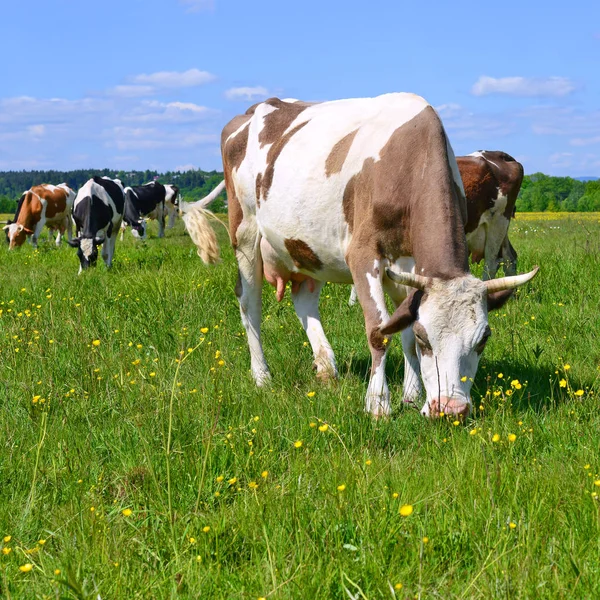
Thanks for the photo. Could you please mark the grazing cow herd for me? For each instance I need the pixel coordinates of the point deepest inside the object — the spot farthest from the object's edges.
(360, 191)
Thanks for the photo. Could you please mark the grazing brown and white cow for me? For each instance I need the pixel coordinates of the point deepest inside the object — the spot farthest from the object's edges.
(42, 205)
(492, 180)
(365, 191)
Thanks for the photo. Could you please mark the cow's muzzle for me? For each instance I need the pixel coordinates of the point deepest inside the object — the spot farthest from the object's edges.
(444, 405)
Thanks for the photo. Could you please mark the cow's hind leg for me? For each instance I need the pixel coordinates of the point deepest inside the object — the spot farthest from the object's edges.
(368, 280)
(306, 303)
(249, 291)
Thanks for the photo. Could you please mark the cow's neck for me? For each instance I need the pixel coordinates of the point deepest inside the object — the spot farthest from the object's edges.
(439, 246)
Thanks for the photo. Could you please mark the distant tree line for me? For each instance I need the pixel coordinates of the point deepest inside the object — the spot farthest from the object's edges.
(193, 184)
(541, 193)
(538, 193)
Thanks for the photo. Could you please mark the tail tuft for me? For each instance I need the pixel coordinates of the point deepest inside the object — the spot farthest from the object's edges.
(202, 234)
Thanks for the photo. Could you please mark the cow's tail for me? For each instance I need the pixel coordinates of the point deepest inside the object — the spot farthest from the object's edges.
(196, 218)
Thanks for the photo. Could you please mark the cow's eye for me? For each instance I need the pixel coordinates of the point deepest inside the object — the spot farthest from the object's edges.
(421, 336)
(483, 341)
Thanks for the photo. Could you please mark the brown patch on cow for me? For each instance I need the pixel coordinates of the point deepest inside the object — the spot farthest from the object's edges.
(337, 157)
(348, 202)
(407, 203)
(276, 123)
(272, 156)
(235, 148)
(421, 334)
(56, 200)
(482, 178)
(258, 186)
(302, 255)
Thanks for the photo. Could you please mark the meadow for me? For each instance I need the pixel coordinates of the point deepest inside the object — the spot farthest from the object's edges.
(140, 461)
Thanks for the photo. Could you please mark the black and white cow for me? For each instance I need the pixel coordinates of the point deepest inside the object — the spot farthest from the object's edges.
(97, 212)
(150, 201)
(172, 203)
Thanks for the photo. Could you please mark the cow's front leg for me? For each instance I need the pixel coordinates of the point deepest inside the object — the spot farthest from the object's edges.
(160, 217)
(306, 302)
(368, 277)
(108, 247)
(37, 232)
(413, 386)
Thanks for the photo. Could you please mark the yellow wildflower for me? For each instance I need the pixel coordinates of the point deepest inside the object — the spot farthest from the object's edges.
(26, 568)
(398, 587)
(204, 329)
(220, 478)
(264, 474)
(512, 437)
(311, 394)
(496, 438)
(323, 427)
(406, 510)
(6, 550)
(96, 343)
(253, 485)
(127, 512)
(566, 367)
(512, 525)
(298, 444)
(341, 488)
(232, 481)
(579, 393)
(206, 529)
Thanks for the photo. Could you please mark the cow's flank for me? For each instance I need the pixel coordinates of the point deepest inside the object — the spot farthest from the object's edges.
(276, 122)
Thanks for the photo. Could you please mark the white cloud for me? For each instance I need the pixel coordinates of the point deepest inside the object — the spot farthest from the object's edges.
(149, 84)
(36, 130)
(180, 112)
(464, 124)
(188, 167)
(198, 5)
(523, 86)
(174, 79)
(132, 91)
(247, 93)
(585, 141)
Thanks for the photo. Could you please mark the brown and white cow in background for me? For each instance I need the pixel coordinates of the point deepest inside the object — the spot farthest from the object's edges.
(365, 191)
(42, 205)
(492, 180)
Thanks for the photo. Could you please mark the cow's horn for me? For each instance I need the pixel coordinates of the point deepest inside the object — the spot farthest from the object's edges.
(411, 279)
(509, 283)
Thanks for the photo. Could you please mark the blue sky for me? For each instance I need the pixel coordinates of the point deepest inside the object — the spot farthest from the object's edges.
(139, 84)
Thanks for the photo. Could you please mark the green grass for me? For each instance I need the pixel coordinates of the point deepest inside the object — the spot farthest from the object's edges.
(109, 436)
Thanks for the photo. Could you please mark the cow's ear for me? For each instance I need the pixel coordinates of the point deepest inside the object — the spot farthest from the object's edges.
(74, 243)
(404, 315)
(497, 300)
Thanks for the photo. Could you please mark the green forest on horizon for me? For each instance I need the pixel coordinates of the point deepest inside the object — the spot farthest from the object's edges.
(539, 192)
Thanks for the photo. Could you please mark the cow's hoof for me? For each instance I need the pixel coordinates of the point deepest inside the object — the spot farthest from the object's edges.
(378, 406)
(262, 378)
(326, 373)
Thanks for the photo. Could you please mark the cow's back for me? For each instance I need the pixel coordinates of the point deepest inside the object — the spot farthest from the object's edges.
(309, 171)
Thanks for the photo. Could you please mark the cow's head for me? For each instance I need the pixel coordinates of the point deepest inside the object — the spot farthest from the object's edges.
(449, 319)
(87, 251)
(16, 234)
(138, 229)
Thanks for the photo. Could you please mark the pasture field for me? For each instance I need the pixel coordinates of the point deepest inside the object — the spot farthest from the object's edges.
(139, 460)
